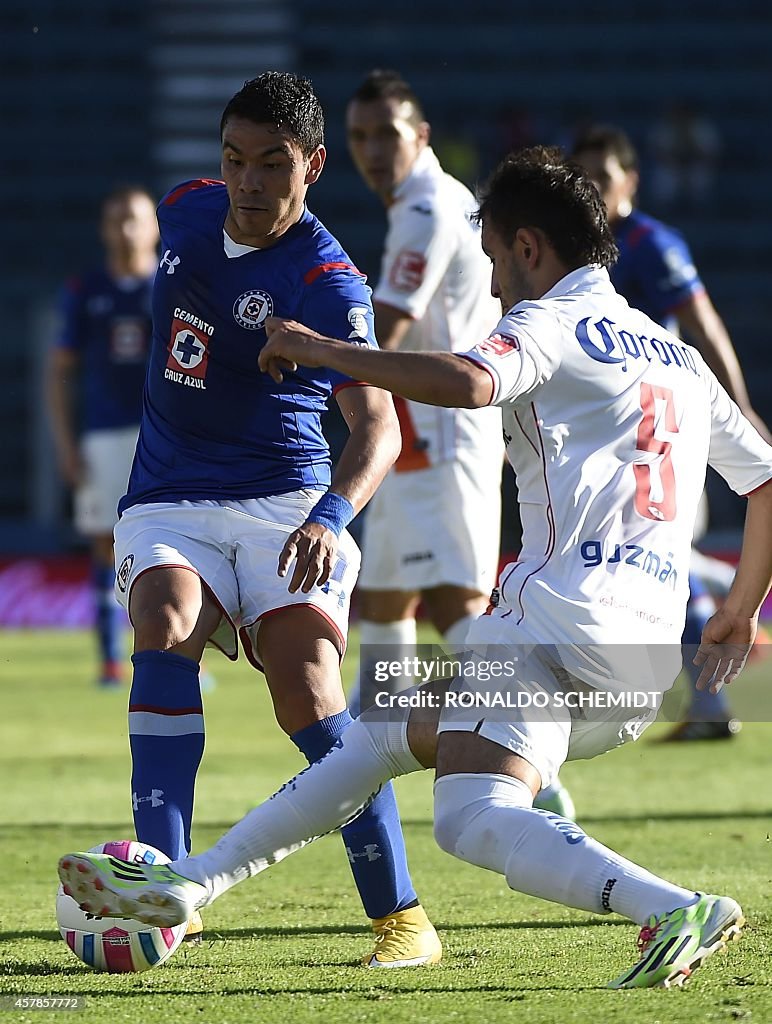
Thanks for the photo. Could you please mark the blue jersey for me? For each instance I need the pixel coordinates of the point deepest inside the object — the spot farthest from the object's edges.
(213, 425)
(108, 324)
(655, 271)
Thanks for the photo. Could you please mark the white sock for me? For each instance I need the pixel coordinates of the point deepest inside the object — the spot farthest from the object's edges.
(388, 641)
(324, 796)
(455, 637)
(488, 820)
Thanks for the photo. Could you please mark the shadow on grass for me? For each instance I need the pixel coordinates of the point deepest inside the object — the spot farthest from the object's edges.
(120, 828)
(515, 992)
(221, 934)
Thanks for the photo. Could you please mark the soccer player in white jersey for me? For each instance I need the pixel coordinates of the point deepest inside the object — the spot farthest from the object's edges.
(432, 528)
(611, 422)
(656, 273)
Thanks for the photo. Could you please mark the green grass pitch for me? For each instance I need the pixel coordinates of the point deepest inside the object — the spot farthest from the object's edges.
(283, 947)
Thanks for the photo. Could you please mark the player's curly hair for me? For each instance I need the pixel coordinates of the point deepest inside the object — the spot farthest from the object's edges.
(283, 99)
(537, 188)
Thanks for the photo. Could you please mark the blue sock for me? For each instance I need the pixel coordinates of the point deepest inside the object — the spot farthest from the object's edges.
(374, 841)
(705, 706)
(110, 617)
(166, 734)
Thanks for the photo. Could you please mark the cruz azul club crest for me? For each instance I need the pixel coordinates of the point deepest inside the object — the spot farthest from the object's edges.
(251, 309)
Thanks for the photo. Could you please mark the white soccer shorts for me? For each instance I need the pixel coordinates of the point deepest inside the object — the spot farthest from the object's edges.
(107, 456)
(434, 526)
(234, 547)
(545, 736)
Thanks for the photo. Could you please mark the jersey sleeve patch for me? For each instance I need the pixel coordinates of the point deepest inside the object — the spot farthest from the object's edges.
(499, 344)
(176, 194)
(407, 271)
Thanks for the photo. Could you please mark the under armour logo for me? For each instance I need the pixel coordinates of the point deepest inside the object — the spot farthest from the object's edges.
(154, 799)
(370, 852)
(170, 264)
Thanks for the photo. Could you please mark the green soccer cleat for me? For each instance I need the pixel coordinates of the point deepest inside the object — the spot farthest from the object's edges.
(150, 893)
(674, 945)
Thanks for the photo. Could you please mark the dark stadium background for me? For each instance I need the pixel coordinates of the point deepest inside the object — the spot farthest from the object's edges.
(97, 92)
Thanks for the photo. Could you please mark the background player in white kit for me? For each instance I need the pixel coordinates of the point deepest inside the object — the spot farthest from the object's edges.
(612, 421)
(432, 528)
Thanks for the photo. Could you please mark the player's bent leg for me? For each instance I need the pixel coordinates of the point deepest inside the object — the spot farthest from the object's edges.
(171, 609)
(300, 653)
(317, 801)
(173, 616)
(483, 815)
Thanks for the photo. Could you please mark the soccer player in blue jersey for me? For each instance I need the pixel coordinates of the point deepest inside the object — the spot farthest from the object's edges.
(656, 273)
(578, 374)
(233, 525)
(99, 356)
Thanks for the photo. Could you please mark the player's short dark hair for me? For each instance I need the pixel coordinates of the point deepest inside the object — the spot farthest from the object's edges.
(538, 188)
(283, 99)
(385, 84)
(608, 141)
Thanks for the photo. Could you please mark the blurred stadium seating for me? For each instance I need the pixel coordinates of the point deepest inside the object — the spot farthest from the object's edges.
(97, 92)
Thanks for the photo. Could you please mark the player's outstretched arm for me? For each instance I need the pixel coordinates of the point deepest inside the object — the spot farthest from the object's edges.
(729, 635)
(435, 378)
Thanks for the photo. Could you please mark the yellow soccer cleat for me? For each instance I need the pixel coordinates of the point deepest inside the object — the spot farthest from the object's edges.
(405, 938)
(195, 930)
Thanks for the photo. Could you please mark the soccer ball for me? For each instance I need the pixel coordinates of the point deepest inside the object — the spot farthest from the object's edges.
(116, 944)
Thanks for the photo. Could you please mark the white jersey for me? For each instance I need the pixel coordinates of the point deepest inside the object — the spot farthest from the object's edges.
(434, 269)
(609, 423)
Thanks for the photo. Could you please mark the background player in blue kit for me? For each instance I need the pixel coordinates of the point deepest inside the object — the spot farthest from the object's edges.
(232, 475)
(97, 366)
(655, 271)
